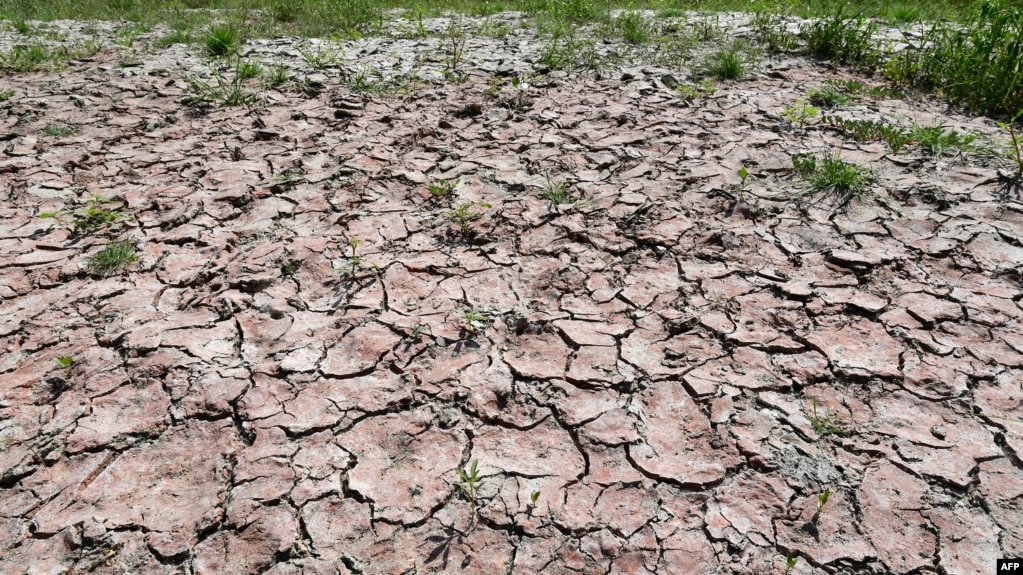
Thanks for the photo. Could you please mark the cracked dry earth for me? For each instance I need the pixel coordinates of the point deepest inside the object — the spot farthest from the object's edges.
(653, 367)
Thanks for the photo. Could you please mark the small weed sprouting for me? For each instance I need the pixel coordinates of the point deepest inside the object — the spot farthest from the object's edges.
(827, 97)
(474, 320)
(224, 91)
(825, 425)
(355, 261)
(362, 81)
(322, 56)
(98, 213)
(469, 484)
(832, 178)
(456, 39)
(442, 188)
(935, 140)
(730, 64)
(533, 498)
(690, 92)
(870, 131)
(800, 113)
(276, 76)
(246, 69)
(465, 214)
(66, 363)
(790, 562)
(556, 192)
(4, 96)
(286, 179)
(28, 58)
(822, 500)
(740, 191)
(113, 258)
(416, 331)
(58, 130)
(222, 40)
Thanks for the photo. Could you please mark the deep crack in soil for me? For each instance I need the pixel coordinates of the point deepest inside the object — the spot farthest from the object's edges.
(660, 374)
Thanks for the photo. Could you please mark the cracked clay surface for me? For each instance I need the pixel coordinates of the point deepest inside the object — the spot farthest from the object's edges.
(676, 380)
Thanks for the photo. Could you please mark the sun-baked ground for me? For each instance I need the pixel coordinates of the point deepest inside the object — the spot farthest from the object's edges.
(653, 376)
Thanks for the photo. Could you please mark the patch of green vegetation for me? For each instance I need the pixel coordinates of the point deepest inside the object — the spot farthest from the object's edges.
(1015, 142)
(690, 92)
(631, 27)
(469, 484)
(870, 131)
(98, 213)
(474, 320)
(732, 63)
(58, 130)
(557, 193)
(321, 56)
(465, 214)
(771, 33)
(127, 33)
(222, 40)
(843, 39)
(936, 140)
(4, 96)
(246, 69)
(824, 425)
(223, 91)
(442, 188)
(112, 259)
(354, 262)
(66, 363)
(831, 178)
(827, 96)
(276, 76)
(800, 113)
(174, 37)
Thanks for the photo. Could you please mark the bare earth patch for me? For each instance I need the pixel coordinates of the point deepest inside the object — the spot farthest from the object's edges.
(654, 378)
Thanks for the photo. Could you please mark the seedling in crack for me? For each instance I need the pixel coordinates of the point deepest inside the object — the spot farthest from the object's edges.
(355, 261)
(556, 192)
(65, 362)
(474, 320)
(465, 214)
(822, 500)
(469, 485)
(416, 332)
(441, 188)
(826, 424)
(741, 190)
(790, 562)
(833, 178)
(113, 258)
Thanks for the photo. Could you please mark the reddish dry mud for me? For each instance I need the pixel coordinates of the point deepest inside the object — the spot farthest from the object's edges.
(654, 362)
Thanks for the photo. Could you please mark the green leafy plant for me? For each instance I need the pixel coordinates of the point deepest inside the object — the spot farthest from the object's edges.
(465, 214)
(277, 76)
(113, 258)
(741, 188)
(827, 97)
(469, 484)
(222, 39)
(533, 497)
(790, 562)
(321, 56)
(632, 27)
(65, 362)
(355, 261)
(442, 188)
(556, 192)
(826, 424)
(4, 96)
(473, 320)
(843, 39)
(416, 332)
(690, 92)
(58, 130)
(936, 140)
(770, 31)
(800, 113)
(246, 69)
(96, 214)
(832, 178)
(730, 64)
(223, 91)
(870, 130)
